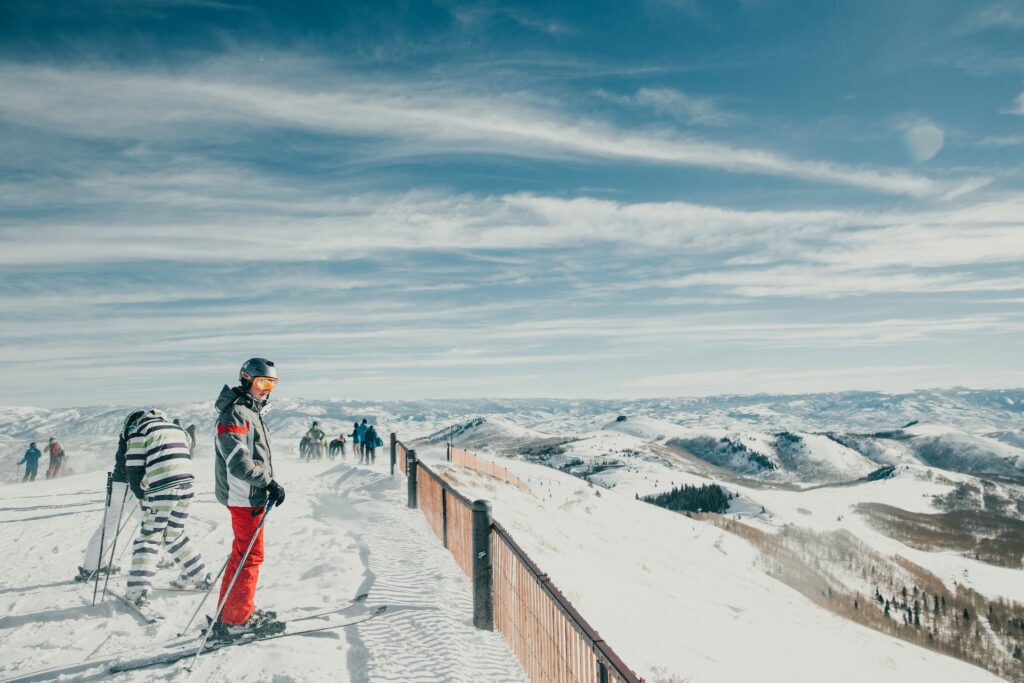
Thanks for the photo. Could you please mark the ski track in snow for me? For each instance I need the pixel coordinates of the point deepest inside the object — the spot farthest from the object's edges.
(343, 530)
(428, 634)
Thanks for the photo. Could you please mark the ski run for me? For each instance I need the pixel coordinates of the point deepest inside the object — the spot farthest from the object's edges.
(365, 589)
(677, 599)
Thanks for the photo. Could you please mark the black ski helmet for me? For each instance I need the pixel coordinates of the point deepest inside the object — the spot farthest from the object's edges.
(256, 367)
(129, 421)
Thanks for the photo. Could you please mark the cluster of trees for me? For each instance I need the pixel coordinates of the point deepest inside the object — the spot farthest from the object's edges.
(706, 498)
(724, 452)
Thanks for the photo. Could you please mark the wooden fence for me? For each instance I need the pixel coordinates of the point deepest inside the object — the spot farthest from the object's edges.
(401, 453)
(552, 641)
(459, 456)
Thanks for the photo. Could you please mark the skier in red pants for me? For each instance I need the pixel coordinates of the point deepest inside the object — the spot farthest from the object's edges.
(245, 484)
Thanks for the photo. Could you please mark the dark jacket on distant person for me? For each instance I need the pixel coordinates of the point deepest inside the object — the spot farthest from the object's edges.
(31, 458)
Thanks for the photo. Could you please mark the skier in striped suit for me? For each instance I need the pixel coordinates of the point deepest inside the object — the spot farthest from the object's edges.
(159, 467)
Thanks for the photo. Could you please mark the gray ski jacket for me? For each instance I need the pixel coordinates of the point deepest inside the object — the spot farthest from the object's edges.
(243, 466)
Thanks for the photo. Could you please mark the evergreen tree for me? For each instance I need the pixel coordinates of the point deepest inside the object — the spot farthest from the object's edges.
(707, 498)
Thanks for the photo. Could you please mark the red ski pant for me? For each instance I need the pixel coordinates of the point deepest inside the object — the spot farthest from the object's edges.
(240, 606)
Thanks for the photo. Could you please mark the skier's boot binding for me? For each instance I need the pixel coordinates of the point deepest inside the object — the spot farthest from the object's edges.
(260, 623)
(87, 575)
(140, 599)
(199, 583)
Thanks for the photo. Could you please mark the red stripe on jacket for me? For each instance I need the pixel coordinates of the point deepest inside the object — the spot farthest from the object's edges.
(232, 429)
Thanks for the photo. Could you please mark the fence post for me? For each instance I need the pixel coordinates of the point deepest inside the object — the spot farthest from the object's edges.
(410, 457)
(394, 452)
(444, 516)
(483, 582)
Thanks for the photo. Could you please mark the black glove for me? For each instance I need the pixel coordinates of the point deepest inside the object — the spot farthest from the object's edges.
(135, 482)
(275, 494)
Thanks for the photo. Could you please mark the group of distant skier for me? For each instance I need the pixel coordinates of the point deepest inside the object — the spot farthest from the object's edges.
(32, 456)
(153, 467)
(365, 442)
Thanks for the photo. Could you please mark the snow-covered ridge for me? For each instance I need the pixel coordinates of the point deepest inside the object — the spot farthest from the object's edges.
(812, 438)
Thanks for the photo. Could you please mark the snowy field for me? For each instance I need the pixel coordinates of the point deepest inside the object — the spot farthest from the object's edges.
(682, 600)
(342, 531)
(677, 599)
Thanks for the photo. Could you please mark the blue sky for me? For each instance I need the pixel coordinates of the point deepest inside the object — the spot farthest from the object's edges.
(441, 199)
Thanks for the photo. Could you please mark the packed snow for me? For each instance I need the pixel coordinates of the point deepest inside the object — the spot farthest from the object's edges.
(343, 530)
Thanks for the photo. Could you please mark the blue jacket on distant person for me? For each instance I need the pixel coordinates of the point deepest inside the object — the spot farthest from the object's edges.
(31, 458)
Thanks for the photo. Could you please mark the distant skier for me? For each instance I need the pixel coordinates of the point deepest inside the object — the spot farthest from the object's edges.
(357, 443)
(121, 495)
(57, 456)
(159, 468)
(245, 485)
(31, 462)
(371, 441)
(338, 447)
(317, 441)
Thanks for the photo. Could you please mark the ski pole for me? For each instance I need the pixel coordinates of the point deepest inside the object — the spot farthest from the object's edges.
(205, 596)
(227, 593)
(130, 515)
(103, 537)
(113, 544)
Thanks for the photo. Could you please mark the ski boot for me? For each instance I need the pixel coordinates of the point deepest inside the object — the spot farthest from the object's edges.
(86, 575)
(260, 624)
(199, 583)
(140, 600)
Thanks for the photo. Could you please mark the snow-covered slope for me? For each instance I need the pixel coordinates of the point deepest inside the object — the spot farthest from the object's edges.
(677, 597)
(661, 564)
(811, 439)
(343, 530)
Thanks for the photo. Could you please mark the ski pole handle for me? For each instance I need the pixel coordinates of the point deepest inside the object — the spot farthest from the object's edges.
(110, 486)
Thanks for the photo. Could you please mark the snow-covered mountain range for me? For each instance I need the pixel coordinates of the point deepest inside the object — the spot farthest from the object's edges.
(841, 507)
(812, 437)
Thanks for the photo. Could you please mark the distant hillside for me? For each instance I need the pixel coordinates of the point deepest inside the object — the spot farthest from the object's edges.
(812, 437)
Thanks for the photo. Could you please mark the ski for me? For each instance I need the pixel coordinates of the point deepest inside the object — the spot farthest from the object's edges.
(190, 650)
(187, 642)
(172, 589)
(347, 606)
(148, 615)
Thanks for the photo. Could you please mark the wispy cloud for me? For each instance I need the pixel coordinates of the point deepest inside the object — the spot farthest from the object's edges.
(1001, 141)
(416, 118)
(1001, 15)
(1018, 106)
(678, 105)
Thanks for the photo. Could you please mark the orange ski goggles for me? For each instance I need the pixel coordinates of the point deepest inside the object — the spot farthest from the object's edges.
(264, 383)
